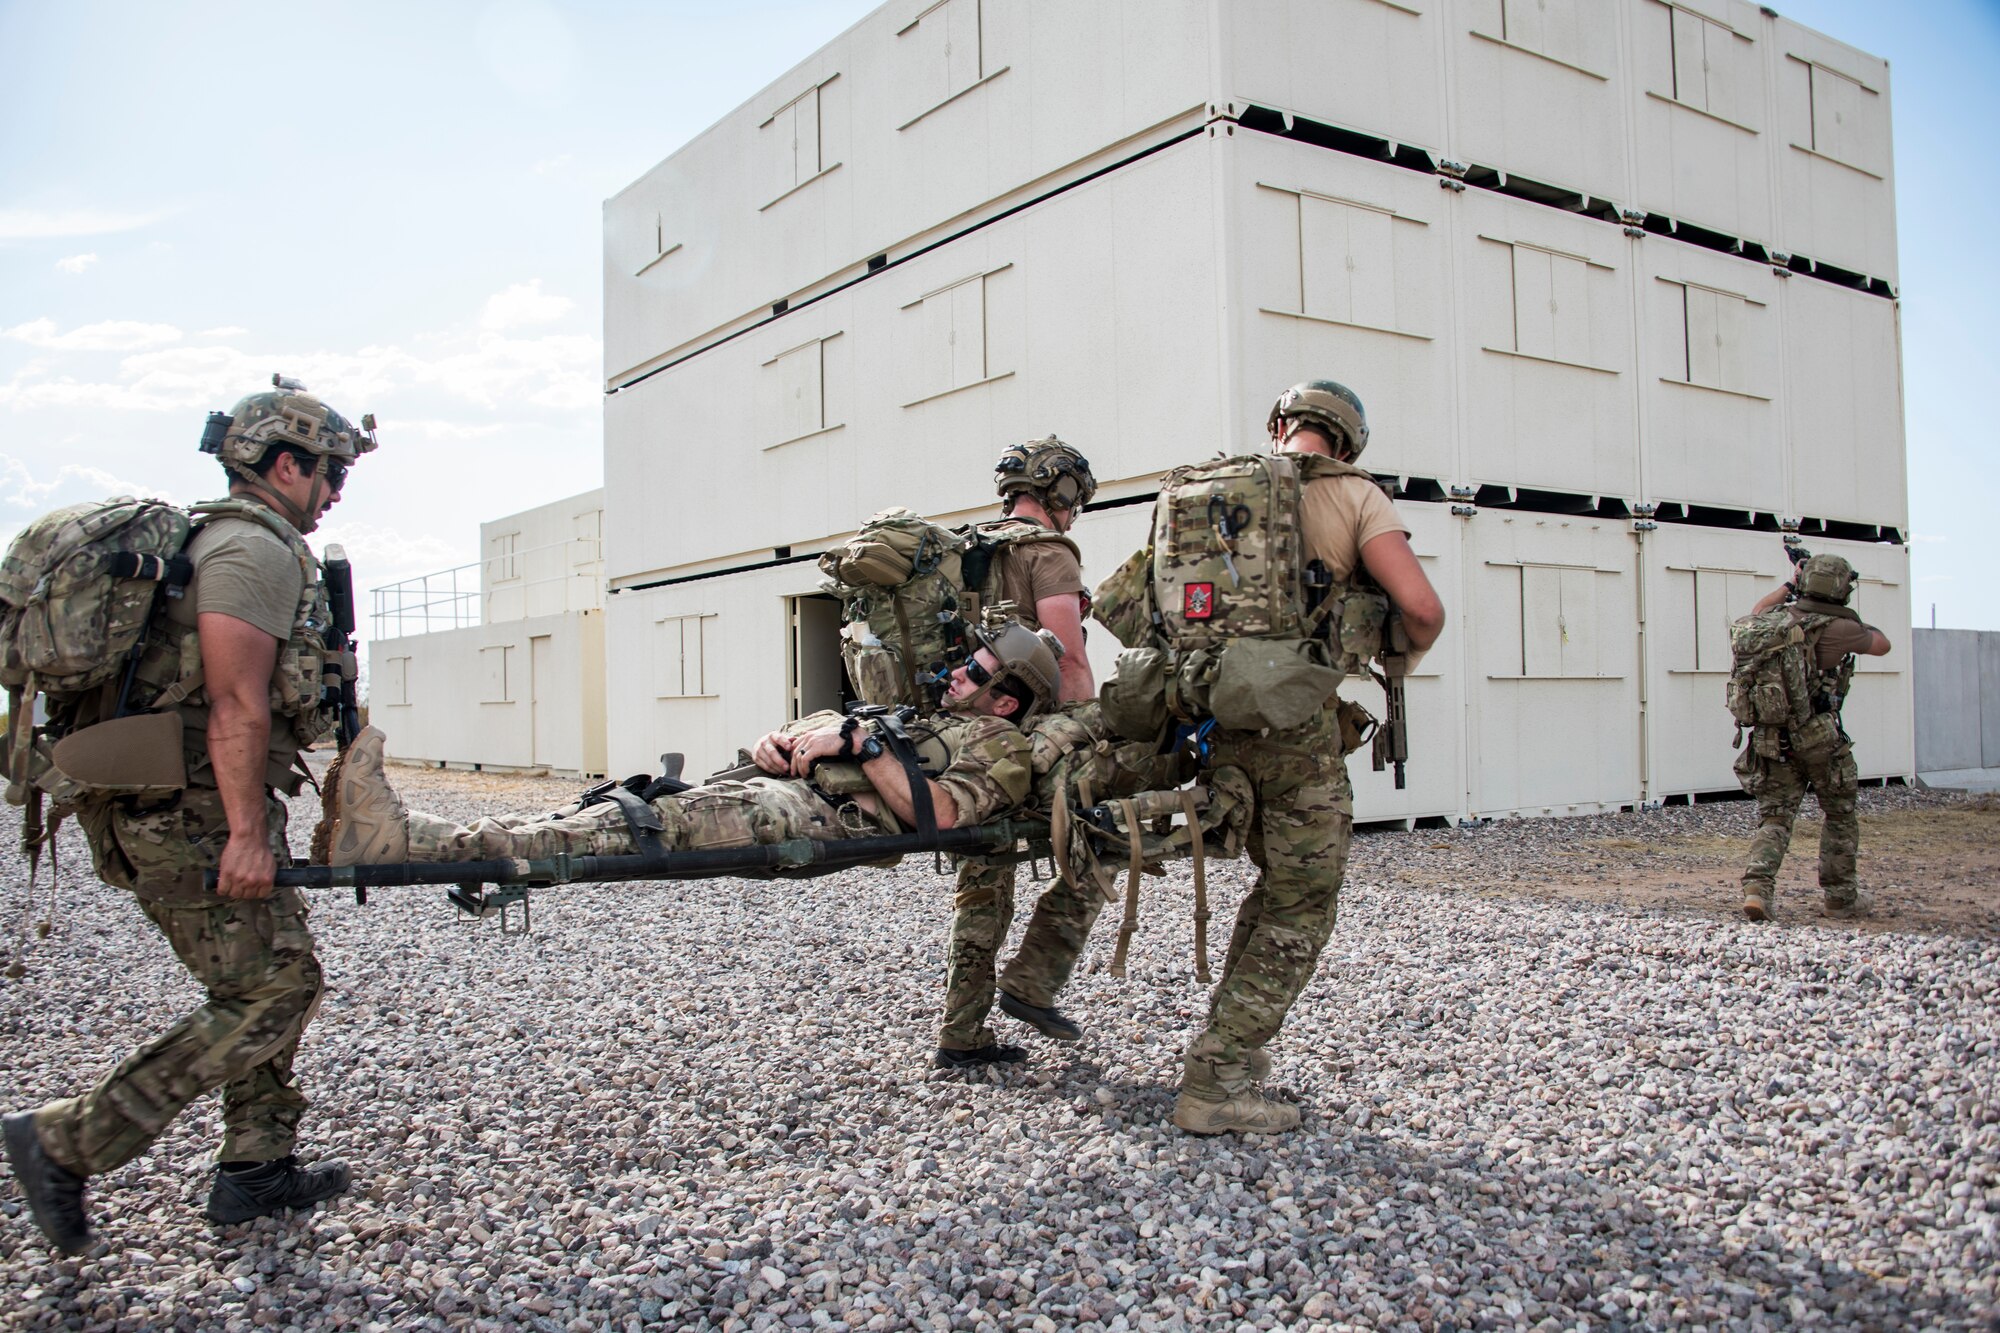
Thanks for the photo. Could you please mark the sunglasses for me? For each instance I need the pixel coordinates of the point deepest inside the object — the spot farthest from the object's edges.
(977, 673)
(336, 473)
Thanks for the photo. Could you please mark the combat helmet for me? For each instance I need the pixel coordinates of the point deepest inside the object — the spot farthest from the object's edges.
(1056, 475)
(1029, 658)
(1327, 404)
(284, 415)
(1826, 578)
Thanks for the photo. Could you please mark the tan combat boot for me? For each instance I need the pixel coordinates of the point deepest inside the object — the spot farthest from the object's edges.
(370, 825)
(1756, 903)
(1849, 902)
(1217, 1097)
(1258, 1062)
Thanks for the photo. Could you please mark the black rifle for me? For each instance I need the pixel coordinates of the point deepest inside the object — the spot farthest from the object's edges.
(337, 684)
(1392, 734)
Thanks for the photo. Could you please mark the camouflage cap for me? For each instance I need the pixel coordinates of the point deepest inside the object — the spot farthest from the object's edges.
(1328, 404)
(1054, 473)
(1826, 578)
(285, 415)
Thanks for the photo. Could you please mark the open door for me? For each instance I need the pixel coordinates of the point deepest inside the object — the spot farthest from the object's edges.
(818, 678)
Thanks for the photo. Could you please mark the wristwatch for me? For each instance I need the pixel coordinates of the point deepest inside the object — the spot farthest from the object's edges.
(870, 747)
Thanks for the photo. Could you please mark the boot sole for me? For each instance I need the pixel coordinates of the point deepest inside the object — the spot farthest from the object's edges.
(23, 1145)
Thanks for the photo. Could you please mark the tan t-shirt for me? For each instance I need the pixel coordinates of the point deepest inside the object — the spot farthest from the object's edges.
(1033, 571)
(241, 569)
(1840, 638)
(1340, 515)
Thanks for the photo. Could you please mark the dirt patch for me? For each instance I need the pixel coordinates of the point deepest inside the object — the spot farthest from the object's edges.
(1930, 869)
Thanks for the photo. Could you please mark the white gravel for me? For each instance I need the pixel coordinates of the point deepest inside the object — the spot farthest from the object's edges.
(709, 1105)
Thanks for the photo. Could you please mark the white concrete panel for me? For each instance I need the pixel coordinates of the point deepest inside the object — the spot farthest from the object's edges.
(543, 561)
(1699, 96)
(525, 693)
(919, 118)
(1710, 331)
(1434, 697)
(1831, 155)
(1546, 623)
(1367, 65)
(928, 371)
(1844, 405)
(1536, 90)
(1545, 310)
(1341, 268)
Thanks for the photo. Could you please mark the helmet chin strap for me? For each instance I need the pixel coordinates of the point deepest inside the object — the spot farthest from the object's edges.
(293, 514)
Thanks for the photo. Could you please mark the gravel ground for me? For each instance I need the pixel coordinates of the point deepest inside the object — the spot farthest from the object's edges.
(709, 1105)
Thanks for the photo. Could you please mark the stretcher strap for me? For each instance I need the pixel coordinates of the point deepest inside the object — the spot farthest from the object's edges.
(1138, 863)
(1198, 852)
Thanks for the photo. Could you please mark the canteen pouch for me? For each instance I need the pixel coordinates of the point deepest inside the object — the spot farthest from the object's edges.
(1274, 683)
(1134, 699)
(139, 755)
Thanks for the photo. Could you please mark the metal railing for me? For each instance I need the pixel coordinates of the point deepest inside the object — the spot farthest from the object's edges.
(491, 590)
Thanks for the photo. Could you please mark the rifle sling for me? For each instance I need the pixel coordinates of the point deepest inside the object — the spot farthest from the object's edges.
(898, 741)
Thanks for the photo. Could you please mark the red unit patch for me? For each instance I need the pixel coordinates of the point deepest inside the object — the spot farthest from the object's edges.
(1198, 601)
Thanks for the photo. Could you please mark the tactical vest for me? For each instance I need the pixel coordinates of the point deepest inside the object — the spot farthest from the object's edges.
(988, 547)
(1231, 622)
(170, 669)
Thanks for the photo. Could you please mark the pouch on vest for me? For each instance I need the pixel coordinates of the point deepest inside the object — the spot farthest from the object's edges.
(1275, 683)
(1134, 699)
(1123, 603)
(139, 755)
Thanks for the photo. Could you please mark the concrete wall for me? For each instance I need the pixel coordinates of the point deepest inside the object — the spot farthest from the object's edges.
(1957, 673)
(543, 561)
(524, 693)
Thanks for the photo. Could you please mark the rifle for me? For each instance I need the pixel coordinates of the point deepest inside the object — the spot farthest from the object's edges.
(1392, 734)
(337, 682)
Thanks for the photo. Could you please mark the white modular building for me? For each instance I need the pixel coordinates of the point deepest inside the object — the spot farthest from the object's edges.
(500, 664)
(1614, 278)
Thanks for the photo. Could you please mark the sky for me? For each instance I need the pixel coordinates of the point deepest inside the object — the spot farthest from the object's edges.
(400, 204)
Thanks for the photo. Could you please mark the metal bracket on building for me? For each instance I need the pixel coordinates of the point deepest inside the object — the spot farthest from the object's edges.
(1451, 175)
(1781, 263)
(1643, 517)
(1635, 222)
(1462, 497)
(1788, 525)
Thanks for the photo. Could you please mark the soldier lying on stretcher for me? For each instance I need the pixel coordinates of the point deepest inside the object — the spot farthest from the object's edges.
(822, 777)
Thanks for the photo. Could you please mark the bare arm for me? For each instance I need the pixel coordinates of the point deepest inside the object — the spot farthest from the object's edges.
(1062, 616)
(892, 784)
(1393, 565)
(237, 660)
(794, 756)
(1772, 598)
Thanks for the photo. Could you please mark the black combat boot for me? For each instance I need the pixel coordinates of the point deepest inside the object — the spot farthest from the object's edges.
(1051, 1023)
(54, 1193)
(243, 1192)
(991, 1054)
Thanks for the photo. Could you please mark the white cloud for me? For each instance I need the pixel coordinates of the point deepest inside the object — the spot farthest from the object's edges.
(226, 331)
(549, 165)
(111, 335)
(1928, 539)
(21, 489)
(31, 224)
(523, 304)
(447, 430)
(76, 263)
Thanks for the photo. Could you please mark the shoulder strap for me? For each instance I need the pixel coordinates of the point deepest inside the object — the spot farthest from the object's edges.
(1314, 466)
(897, 738)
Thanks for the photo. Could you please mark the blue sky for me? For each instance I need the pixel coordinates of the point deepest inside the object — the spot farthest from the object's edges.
(400, 204)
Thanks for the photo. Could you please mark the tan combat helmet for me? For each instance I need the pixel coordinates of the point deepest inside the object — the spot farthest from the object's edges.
(1057, 476)
(1327, 404)
(287, 415)
(1029, 658)
(1826, 578)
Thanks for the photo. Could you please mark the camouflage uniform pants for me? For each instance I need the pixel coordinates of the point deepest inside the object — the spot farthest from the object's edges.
(721, 814)
(1050, 945)
(1298, 839)
(1780, 785)
(981, 915)
(255, 959)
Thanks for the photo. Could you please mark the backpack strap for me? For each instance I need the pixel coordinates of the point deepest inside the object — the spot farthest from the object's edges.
(1197, 852)
(1134, 869)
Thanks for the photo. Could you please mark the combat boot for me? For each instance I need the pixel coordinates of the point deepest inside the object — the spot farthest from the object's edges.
(370, 824)
(54, 1193)
(1258, 1061)
(1756, 903)
(1849, 902)
(1218, 1097)
(993, 1053)
(245, 1192)
(1050, 1022)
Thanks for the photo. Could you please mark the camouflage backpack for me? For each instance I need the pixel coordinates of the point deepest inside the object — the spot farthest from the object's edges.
(907, 588)
(1228, 616)
(1775, 684)
(902, 613)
